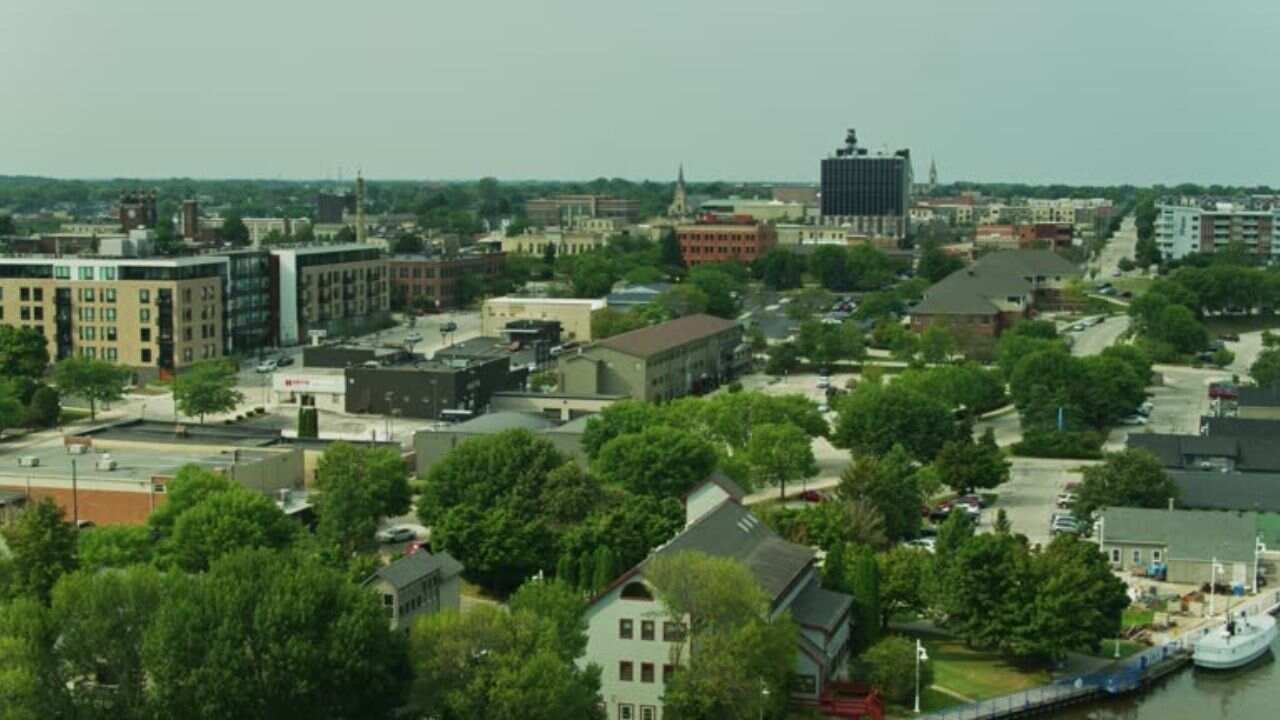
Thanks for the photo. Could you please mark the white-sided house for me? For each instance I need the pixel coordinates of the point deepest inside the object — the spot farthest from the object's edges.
(417, 584)
(631, 637)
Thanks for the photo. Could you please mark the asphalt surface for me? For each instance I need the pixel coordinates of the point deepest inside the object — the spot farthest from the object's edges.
(1096, 338)
(1121, 245)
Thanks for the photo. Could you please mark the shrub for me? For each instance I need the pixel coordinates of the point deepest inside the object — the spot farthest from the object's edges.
(1079, 445)
(891, 669)
(44, 408)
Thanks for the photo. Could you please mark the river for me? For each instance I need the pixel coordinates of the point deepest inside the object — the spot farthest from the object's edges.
(1190, 694)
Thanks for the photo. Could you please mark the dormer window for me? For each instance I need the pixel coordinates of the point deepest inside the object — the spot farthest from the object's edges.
(636, 591)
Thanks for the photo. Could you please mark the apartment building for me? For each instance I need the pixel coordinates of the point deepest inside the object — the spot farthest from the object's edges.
(248, 306)
(711, 240)
(339, 289)
(1185, 229)
(157, 315)
(438, 277)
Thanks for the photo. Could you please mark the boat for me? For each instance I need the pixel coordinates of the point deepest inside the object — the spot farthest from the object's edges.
(1237, 643)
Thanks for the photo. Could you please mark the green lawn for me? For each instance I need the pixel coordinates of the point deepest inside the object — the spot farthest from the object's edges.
(70, 415)
(1135, 285)
(1135, 617)
(975, 673)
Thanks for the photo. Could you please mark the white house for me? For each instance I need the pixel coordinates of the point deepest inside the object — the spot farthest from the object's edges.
(631, 636)
(417, 584)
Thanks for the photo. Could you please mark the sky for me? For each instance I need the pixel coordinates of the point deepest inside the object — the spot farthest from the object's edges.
(1073, 91)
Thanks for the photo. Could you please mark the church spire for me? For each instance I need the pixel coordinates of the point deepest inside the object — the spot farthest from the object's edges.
(933, 172)
(679, 200)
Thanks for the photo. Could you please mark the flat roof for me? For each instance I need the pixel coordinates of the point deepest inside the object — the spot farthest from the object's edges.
(316, 249)
(106, 259)
(595, 303)
(133, 466)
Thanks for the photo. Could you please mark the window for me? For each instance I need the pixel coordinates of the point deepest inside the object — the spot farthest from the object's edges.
(24, 294)
(86, 294)
(157, 488)
(187, 355)
(144, 296)
(39, 311)
(109, 314)
(668, 674)
(61, 272)
(625, 629)
(648, 712)
(804, 684)
(110, 354)
(25, 312)
(672, 632)
(107, 273)
(146, 334)
(624, 671)
(86, 273)
(110, 333)
(646, 629)
(144, 315)
(636, 591)
(186, 334)
(146, 355)
(646, 672)
(626, 712)
(186, 295)
(109, 295)
(37, 294)
(1137, 557)
(1156, 556)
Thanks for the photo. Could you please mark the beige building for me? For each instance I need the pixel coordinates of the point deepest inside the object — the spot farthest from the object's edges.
(259, 228)
(340, 289)
(565, 243)
(574, 315)
(151, 314)
(796, 234)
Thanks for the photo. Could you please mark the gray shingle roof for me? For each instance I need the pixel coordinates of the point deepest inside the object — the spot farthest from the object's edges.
(1259, 396)
(727, 484)
(421, 564)
(820, 608)
(1250, 453)
(1044, 263)
(1208, 490)
(1239, 427)
(995, 275)
(732, 531)
(1188, 534)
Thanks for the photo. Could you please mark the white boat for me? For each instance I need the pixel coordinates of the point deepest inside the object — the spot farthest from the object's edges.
(1240, 641)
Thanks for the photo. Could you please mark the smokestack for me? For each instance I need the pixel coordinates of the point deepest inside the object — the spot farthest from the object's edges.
(360, 232)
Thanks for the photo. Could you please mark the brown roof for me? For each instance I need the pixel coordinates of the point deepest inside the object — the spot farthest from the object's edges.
(664, 336)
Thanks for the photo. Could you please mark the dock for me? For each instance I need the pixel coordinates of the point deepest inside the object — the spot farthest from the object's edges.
(1133, 675)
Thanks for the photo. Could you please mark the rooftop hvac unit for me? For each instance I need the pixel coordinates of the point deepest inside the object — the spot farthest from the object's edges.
(106, 463)
(29, 461)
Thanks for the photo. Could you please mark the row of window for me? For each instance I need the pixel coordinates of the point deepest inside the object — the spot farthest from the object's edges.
(110, 353)
(627, 711)
(89, 332)
(671, 632)
(1156, 556)
(626, 672)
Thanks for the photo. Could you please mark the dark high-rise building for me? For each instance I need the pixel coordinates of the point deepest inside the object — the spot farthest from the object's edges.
(331, 206)
(190, 220)
(137, 210)
(871, 192)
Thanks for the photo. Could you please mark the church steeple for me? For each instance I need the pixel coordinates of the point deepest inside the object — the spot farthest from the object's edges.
(933, 172)
(679, 199)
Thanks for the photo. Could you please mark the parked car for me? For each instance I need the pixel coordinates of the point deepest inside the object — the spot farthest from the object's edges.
(1146, 408)
(1078, 327)
(1065, 499)
(267, 366)
(975, 500)
(812, 496)
(824, 382)
(1229, 337)
(284, 361)
(927, 544)
(413, 337)
(395, 533)
(823, 409)
(1223, 391)
(1136, 419)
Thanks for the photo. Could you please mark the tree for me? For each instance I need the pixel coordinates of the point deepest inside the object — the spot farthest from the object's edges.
(1265, 370)
(778, 453)
(45, 408)
(42, 547)
(631, 527)
(830, 525)
(984, 588)
(407, 244)
(233, 230)
(308, 422)
(1223, 357)
(270, 634)
(358, 487)
(620, 418)
(114, 546)
(33, 685)
(12, 414)
(807, 303)
(937, 344)
(659, 460)
(830, 264)
(873, 418)
(225, 522)
(1178, 326)
(103, 617)
(97, 381)
(490, 663)
(207, 387)
(486, 504)
(783, 358)
(562, 605)
(935, 264)
(862, 578)
(892, 668)
(608, 322)
(722, 285)
(906, 573)
(670, 255)
(739, 649)
(681, 300)
(889, 483)
(24, 352)
(1129, 478)
(780, 269)
(189, 487)
(965, 465)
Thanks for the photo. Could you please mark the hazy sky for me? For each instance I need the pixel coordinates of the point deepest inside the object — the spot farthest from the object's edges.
(1078, 91)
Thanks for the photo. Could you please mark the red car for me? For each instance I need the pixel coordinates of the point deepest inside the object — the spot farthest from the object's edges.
(1223, 391)
(812, 496)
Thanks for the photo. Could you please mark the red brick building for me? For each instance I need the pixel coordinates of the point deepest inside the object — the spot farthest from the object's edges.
(437, 277)
(725, 240)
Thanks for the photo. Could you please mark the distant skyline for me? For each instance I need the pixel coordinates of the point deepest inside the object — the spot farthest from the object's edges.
(1083, 92)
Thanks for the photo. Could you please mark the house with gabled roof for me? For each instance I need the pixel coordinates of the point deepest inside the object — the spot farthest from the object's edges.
(631, 636)
(995, 292)
(419, 583)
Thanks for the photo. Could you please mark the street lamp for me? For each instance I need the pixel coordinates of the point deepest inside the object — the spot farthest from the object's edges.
(921, 656)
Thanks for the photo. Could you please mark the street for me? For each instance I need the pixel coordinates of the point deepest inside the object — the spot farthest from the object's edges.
(1121, 245)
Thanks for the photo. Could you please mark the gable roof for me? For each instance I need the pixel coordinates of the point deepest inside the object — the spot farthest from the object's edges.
(665, 336)
(1028, 262)
(411, 568)
(732, 531)
(1209, 490)
(816, 607)
(967, 291)
(1187, 534)
(727, 484)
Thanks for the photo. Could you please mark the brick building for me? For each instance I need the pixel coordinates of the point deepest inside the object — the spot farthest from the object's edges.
(438, 277)
(725, 240)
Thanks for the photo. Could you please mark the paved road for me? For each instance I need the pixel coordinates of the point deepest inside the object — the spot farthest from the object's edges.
(1096, 338)
(1120, 246)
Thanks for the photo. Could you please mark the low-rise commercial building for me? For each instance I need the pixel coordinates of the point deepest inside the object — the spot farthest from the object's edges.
(737, 239)
(439, 278)
(1259, 403)
(1025, 236)
(766, 210)
(687, 356)
(1189, 542)
(573, 314)
(561, 243)
(561, 210)
(437, 389)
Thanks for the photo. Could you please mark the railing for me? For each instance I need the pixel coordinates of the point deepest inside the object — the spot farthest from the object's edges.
(1123, 677)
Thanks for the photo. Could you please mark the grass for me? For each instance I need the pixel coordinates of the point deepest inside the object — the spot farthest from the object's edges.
(1135, 285)
(931, 700)
(1134, 617)
(1127, 648)
(70, 415)
(156, 388)
(977, 674)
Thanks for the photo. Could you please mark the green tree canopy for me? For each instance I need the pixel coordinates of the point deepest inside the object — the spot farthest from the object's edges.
(659, 460)
(97, 381)
(873, 418)
(207, 387)
(24, 352)
(358, 486)
(890, 484)
(779, 453)
(1129, 478)
(1265, 370)
(42, 548)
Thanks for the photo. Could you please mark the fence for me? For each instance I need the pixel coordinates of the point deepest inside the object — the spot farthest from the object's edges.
(1126, 676)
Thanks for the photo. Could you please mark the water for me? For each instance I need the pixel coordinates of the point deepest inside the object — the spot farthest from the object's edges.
(1191, 694)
